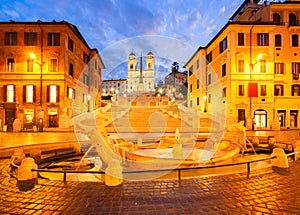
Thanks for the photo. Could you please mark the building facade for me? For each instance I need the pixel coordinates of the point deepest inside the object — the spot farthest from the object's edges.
(46, 69)
(254, 64)
(141, 79)
(174, 83)
(113, 87)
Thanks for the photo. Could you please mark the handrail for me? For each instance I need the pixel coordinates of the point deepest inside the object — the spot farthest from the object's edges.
(160, 170)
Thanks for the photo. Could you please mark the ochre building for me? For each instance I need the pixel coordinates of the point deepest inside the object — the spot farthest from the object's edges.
(46, 69)
(252, 66)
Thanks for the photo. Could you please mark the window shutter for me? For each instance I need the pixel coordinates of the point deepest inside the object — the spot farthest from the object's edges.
(48, 93)
(24, 93)
(67, 93)
(5, 93)
(57, 94)
(74, 94)
(14, 99)
(34, 93)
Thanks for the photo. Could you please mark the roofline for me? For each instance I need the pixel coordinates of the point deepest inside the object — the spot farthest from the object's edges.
(114, 80)
(222, 30)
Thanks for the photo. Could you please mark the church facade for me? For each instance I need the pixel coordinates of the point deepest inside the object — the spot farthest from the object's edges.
(140, 79)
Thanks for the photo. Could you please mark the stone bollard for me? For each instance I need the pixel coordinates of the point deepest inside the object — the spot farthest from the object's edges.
(36, 154)
(113, 173)
(255, 141)
(26, 178)
(177, 150)
(271, 142)
(18, 156)
(281, 160)
(297, 150)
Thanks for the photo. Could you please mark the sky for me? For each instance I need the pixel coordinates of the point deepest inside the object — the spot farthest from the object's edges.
(171, 29)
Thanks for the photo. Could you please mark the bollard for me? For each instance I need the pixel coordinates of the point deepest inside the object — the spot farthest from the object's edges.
(297, 150)
(281, 160)
(18, 156)
(36, 154)
(113, 173)
(26, 178)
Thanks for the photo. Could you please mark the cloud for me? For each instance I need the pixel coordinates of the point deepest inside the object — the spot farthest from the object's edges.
(222, 10)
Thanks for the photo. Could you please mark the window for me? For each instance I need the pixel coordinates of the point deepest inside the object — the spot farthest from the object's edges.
(198, 101)
(71, 70)
(241, 90)
(30, 39)
(295, 40)
(52, 93)
(263, 90)
(29, 93)
(262, 39)
(53, 67)
(197, 64)
(209, 79)
(241, 65)
(10, 38)
(295, 71)
(224, 70)
(70, 44)
(191, 88)
(198, 83)
(10, 65)
(278, 68)
(241, 40)
(223, 45)
(224, 92)
(276, 18)
(191, 70)
(71, 93)
(10, 93)
(278, 40)
(295, 90)
(86, 58)
(209, 57)
(278, 90)
(85, 79)
(292, 19)
(84, 98)
(53, 39)
(30, 65)
(263, 66)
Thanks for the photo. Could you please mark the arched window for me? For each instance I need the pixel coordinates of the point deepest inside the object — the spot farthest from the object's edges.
(292, 19)
(276, 18)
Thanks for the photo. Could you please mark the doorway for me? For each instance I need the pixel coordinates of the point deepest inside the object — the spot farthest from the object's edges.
(282, 117)
(10, 114)
(260, 117)
(293, 118)
(53, 121)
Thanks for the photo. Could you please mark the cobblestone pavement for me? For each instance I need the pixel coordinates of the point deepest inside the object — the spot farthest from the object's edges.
(267, 191)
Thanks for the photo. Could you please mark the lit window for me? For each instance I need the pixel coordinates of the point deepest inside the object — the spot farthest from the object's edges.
(71, 93)
(52, 93)
(30, 65)
(10, 93)
(10, 65)
(29, 92)
(295, 90)
(278, 90)
(278, 68)
(241, 65)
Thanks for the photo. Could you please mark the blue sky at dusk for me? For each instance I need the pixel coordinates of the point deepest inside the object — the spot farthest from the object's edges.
(117, 27)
